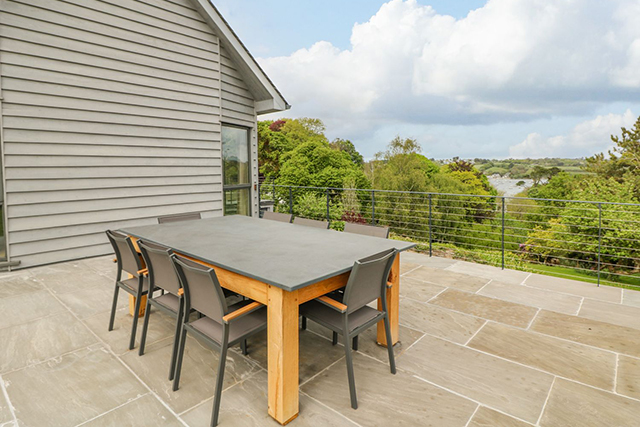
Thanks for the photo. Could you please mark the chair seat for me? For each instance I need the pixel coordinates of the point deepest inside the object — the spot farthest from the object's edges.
(169, 300)
(132, 284)
(244, 325)
(322, 314)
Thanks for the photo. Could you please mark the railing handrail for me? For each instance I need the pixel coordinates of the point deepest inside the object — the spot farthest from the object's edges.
(431, 193)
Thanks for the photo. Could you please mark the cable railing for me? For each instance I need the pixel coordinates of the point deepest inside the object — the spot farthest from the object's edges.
(596, 242)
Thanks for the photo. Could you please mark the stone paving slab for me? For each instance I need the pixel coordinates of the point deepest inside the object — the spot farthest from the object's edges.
(591, 332)
(143, 411)
(628, 382)
(488, 272)
(504, 385)
(548, 300)
(616, 314)
(571, 360)
(583, 289)
(576, 404)
(446, 278)
(14, 285)
(437, 321)
(23, 308)
(418, 289)
(486, 417)
(486, 307)
(63, 391)
(386, 399)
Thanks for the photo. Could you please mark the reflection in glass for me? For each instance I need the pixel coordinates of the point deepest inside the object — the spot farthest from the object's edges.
(236, 202)
(235, 155)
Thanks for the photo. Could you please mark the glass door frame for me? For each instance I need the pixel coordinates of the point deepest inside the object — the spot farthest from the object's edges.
(247, 186)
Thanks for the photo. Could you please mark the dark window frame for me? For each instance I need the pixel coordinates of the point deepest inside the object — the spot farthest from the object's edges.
(232, 187)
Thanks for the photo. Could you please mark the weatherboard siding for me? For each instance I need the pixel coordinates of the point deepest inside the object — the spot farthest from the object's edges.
(112, 113)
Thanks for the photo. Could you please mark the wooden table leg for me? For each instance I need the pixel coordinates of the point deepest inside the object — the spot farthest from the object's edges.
(132, 305)
(282, 333)
(393, 305)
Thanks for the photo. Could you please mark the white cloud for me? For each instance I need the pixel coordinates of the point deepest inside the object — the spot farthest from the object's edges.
(509, 60)
(586, 138)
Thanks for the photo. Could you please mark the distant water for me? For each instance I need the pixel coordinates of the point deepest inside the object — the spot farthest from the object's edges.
(507, 186)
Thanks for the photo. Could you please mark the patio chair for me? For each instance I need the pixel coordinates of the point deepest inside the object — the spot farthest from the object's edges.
(162, 275)
(137, 285)
(367, 282)
(277, 216)
(221, 326)
(311, 222)
(366, 230)
(179, 217)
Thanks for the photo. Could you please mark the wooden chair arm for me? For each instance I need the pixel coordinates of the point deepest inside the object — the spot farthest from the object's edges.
(330, 302)
(143, 272)
(115, 260)
(389, 285)
(241, 311)
(180, 292)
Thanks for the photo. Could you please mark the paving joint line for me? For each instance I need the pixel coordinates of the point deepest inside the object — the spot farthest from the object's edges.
(113, 409)
(5, 393)
(580, 306)
(412, 270)
(533, 319)
(483, 286)
(544, 406)
(472, 415)
(330, 408)
(476, 333)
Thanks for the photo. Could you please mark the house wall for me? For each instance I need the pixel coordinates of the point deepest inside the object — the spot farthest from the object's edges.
(111, 118)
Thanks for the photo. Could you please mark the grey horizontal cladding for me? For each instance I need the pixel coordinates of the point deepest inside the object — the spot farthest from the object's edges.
(37, 185)
(16, 98)
(83, 64)
(30, 136)
(111, 117)
(106, 172)
(96, 128)
(27, 261)
(26, 28)
(49, 161)
(119, 25)
(72, 219)
(136, 152)
(107, 95)
(100, 205)
(57, 113)
(42, 197)
(27, 75)
(136, 17)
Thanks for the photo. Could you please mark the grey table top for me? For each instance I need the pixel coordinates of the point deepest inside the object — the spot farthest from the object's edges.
(284, 255)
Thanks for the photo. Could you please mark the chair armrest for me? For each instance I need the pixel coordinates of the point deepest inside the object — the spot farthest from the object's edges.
(330, 302)
(115, 260)
(143, 272)
(180, 292)
(389, 285)
(241, 312)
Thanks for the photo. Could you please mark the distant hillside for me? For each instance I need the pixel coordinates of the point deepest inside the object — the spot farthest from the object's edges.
(522, 168)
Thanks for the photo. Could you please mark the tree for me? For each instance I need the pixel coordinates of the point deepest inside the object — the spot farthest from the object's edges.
(401, 167)
(348, 147)
(538, 173)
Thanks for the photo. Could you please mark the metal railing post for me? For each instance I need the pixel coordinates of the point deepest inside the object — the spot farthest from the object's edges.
(328, 216)
(373, 207)
(430, 229)
(599, 238)
(502, 240)
(290, 201)
(259, 199)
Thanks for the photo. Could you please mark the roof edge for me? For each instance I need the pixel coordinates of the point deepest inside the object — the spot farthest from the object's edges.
(275, 101)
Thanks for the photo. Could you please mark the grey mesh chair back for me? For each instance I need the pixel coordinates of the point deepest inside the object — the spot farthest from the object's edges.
(368, 280)
(277, 216)
(311, 222)
(179, 217)
(162, 274)
(126, 255)
(202, 290)
(366, 230)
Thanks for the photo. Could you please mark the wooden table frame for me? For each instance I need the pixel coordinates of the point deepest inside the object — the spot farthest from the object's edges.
(283, 327)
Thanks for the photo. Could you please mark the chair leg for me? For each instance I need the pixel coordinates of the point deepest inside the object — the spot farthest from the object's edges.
(355, 343)
(334, 339)
(387, 331)
(219, 381)
(304, 323)
(113, 307)
(183, 340)
(176, 342)
(145, 326)
(134, 326)
(352, 380)
(243, 346)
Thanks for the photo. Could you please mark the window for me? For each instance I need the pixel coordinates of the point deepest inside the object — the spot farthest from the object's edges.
(236, 170)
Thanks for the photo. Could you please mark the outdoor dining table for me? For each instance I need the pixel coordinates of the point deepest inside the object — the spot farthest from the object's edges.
(280, 265)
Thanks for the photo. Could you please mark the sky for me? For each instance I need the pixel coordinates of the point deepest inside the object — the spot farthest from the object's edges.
(467, 78)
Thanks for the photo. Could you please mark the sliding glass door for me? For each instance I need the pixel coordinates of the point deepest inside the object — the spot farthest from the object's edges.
(236, 170)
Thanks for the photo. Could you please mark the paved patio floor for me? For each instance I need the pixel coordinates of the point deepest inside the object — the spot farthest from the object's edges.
(479, 347)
